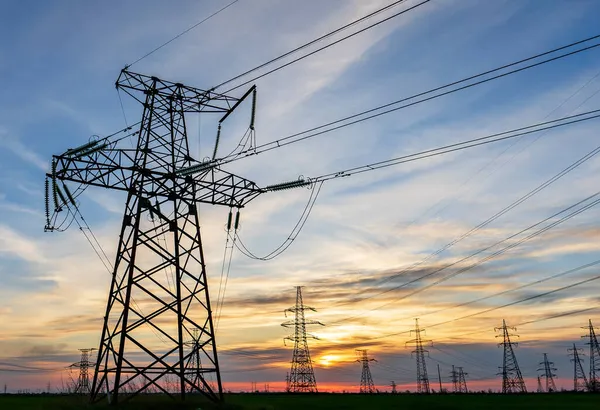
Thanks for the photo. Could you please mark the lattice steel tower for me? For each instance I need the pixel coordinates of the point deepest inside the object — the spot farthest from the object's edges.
(83, 381)
(459, 381)
(422, 378)
(366, 380)
(454, 379)
(512, 380)
(194, 368)
(302, 375)
(142, 344)
(462, 381)
(548, 369)
(594, 376)
(580, 382)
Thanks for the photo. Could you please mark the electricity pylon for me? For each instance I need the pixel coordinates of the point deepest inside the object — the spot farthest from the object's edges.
(422, 378)
(393, 385)
(142, 345)
(594, 375)
(580, 382)
(83, 381)
(454, 379)
(302, 375)
(548, 369)
(194, 367)
(366, 380)
(512, 380)
(462, 381)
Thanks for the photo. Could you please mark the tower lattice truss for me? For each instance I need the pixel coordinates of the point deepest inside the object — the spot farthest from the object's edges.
(366, 380)
(548, 370)
(82, 386)
(512, 379)
(419, 352)
(580, 382)
(594, 358)
(302, 376)
(459, 380)
(158, 299)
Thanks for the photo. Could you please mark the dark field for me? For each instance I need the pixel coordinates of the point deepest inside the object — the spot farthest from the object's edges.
(276, 401)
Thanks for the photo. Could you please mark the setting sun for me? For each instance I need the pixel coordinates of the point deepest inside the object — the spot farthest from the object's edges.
(329, 359)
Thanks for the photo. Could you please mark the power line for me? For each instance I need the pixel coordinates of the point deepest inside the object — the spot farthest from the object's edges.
(483, 224)
(182, 33)
(488, 164)
(555, 123)
(318, 130)
(542, 319)
(539, 295)
(574, 119)
(530, 129)
(291, 237)
(301, 135)
(284, 141)
(305, 45)
(546, 228)
(537, 282)
(327, 46)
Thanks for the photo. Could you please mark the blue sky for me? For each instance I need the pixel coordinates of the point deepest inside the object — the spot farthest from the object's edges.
(59, 62)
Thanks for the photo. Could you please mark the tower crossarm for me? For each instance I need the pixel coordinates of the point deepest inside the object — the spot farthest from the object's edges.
(219, 187)
(295, 309)
(292, 323)
(113, 168)
(99, 166)
(192, 99)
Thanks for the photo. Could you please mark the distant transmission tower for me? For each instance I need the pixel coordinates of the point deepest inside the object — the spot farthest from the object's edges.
(462, 382)
(302, 375)
(393, 384)
(454, 379)
(548, 369)
(366, 381)
(194, 364)
(83, 381)
(512, 380)
(594, 377)
(422, 378)
(580, 382)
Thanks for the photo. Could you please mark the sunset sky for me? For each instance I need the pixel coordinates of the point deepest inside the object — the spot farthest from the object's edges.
(368, 234)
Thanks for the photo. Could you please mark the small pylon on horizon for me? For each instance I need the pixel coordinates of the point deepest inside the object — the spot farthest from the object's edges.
(548, 369)
(422, 378)
(302, 376)
(83, 381)
(580, 382)
(512, 379)
(594, 375)
(366, 380)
